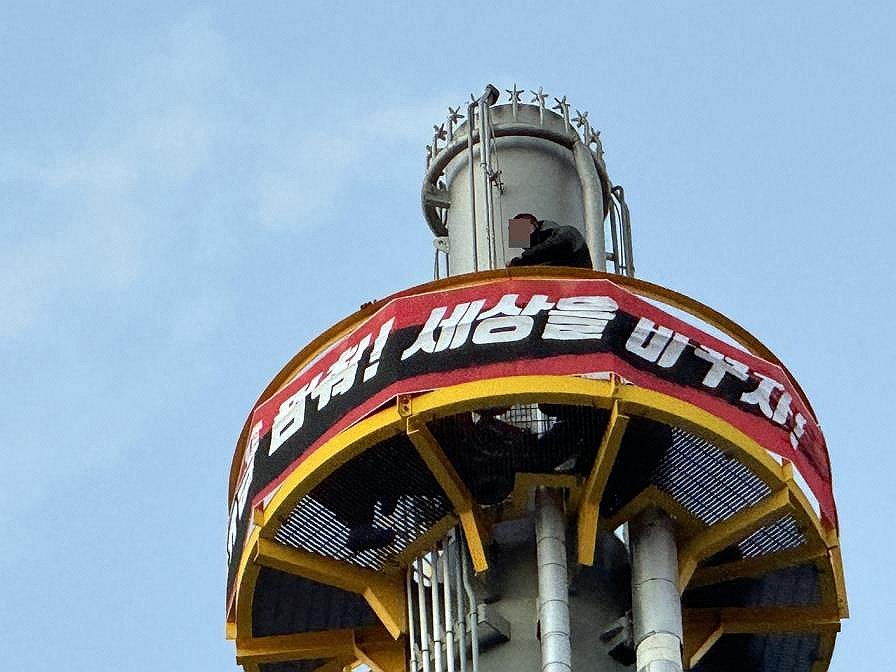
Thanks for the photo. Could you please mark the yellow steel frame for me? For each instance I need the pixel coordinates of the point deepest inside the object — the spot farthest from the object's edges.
(373, 646)
(704, 627)
(456, 490)
(597, 480)
(384, 594)
(739, 526)
(410, 415)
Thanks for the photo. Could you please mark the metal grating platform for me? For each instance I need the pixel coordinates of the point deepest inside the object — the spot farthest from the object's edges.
(781, 535)
(399, 493)
(710, 484)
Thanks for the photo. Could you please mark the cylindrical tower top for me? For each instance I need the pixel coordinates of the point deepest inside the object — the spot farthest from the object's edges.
(520, 158)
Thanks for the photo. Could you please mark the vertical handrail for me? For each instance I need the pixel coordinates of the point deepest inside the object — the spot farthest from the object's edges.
(436, 609)
(471, 122)
(424, 618)
(412, 626)
(485, 161)
(473, 608)
(446, 601)
(458, 587)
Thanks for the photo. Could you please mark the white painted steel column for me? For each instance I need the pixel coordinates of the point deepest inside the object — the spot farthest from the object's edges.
(553, 592)
(656, 604)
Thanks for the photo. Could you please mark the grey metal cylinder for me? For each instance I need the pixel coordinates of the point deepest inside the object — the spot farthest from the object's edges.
(553, 590)
(656, 604)
(538, 174)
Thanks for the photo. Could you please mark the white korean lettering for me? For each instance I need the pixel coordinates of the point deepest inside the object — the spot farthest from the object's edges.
(247, 470)
(799, 428)
(537, 304)
(231, 531)
(721, 365)
(291, 415)
(453, 330)
(507, 322)
(426, 341)
(656, 343)
(762, 397)
(503, 329)
(341, 375)
(580, 317)
(378, 344)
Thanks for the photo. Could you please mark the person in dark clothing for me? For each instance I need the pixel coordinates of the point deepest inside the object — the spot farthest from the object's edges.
(552, 244)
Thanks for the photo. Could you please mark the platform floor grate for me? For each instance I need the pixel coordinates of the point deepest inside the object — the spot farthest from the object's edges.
(388, 487)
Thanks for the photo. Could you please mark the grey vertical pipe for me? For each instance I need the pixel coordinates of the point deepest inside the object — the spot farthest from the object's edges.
(656, 604)
(412, 626)
(485, 160)
(446, 602)
(553, 593)
(470, 123)
(424, 618)
(627, 227)
(593, 203)
(459, 592)
(614, 232)
(473, 613)
(436, 611)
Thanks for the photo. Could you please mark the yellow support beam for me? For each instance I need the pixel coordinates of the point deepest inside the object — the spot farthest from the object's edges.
(704, 627)
(456, 490)
(524, 483)
(422, 544)
(759, 620)
(301, 646)
(699, 638)
(739, 526)
(749, 567)
(384, 594)
(379, 652)
(686, 523)
(589, 508)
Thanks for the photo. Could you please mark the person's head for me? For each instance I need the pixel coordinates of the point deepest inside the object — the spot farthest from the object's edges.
(521, 228)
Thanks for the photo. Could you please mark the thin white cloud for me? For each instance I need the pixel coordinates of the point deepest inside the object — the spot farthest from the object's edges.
(113, 255)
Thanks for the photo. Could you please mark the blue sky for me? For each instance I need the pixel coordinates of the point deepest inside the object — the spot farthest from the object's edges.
(188, 195)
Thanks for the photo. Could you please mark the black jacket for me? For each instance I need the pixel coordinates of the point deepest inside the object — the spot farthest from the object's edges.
(554, 244)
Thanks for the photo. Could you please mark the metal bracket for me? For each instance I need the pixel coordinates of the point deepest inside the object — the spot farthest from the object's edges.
(405, 405)
(619, 637)
(435, 196)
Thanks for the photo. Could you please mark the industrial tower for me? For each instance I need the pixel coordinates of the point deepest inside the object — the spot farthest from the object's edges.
(532, 467)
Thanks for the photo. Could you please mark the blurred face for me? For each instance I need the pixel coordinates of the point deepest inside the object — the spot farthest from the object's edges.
(519, 231)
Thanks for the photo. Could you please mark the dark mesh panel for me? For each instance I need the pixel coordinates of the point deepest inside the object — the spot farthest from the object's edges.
(706, 481)
(293, 666)
(766, 653)
(388, 486)
(488, 447)
(644, 446)
(780, 652)
(792, 586)
(285, 604)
